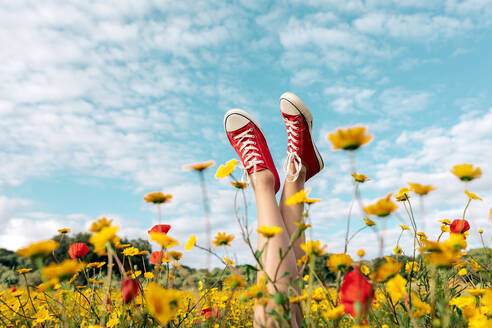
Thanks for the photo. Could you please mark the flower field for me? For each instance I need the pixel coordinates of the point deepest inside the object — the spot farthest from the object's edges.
(440, 283)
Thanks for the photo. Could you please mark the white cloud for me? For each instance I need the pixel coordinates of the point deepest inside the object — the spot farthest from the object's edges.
(397, 100)
(418, 27)
(349, 98)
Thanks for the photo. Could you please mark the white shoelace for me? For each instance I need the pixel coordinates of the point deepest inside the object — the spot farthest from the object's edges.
(249, 152)
(292, 148)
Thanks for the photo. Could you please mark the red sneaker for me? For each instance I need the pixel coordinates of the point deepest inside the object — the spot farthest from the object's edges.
(300, 144)
(249, 142)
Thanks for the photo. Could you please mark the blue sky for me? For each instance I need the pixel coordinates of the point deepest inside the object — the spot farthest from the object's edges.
(104, 101)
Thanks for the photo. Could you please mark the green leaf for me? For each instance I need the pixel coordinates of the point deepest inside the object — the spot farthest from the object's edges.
(279, 298)
(250, 267)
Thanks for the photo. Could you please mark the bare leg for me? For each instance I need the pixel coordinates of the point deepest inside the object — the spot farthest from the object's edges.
(293, 213)
(269, 215)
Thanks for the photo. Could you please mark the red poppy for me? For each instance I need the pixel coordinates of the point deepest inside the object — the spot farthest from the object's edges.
(208, 312)
(154, 257)
(459, 226)
(356, 289)
(78, 250)
(160, 228)
(129, 289)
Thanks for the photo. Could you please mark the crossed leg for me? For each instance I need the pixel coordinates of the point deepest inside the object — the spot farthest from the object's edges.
(269, 215)
(284, 216)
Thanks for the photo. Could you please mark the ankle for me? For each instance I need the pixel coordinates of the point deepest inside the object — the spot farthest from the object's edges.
(302, 173)
(264, 178)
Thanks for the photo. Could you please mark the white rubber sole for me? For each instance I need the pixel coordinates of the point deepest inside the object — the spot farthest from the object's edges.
(237, 111)
(302, 108)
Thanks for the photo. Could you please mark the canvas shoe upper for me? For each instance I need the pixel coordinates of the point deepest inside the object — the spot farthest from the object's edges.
(301, 149)
(247, 138)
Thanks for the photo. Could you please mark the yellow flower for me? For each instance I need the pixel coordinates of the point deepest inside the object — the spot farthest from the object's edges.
(92, 265)
(318, 293)
(222, 239)
(396, 288)
(444, 228)
(100, 224)
(175, 255)
(403, 194)
(157, 198)
(239, 184)
(479, 320)
(302, 226)
(100, 239)
(297, 299)
(301, 197)
(163, 239)
(42, 315)
(199, 166)
(63, 270)
(382, 207)
(46, 285)
(476, 292)
(360, 177)
(335, 313)
(269, 232)
(409, 266)
(224, 171)
(445, 221)
(163, 304)
(134, 274)
(235, 282)
(17, 293)
(228, 261)
(441, 254)
(361, 253)
(364, 269)
(311, 200)
(472, 195)
(22, 271)
(42, 248)
(462, 272)
(386, 271)
(121, 246)
(466, 172)
(97, 282)
(422, 236)
(466, 304)
(130, 251)
(313, 247)
(457, 241)
(404, 227)
(64, 230)
(486, 301)
(369, 222)
(419, 308)
(475, 265)
(480, 231)
(350, 138)
(397, 250)
(339, 262)
(113, 320)
(190, 243)
(143, 253)
(149, 275)
(421, 189)
(258, 292)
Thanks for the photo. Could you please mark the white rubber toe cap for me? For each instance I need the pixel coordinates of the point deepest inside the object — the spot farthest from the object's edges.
(291, 104)
(236, 118)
